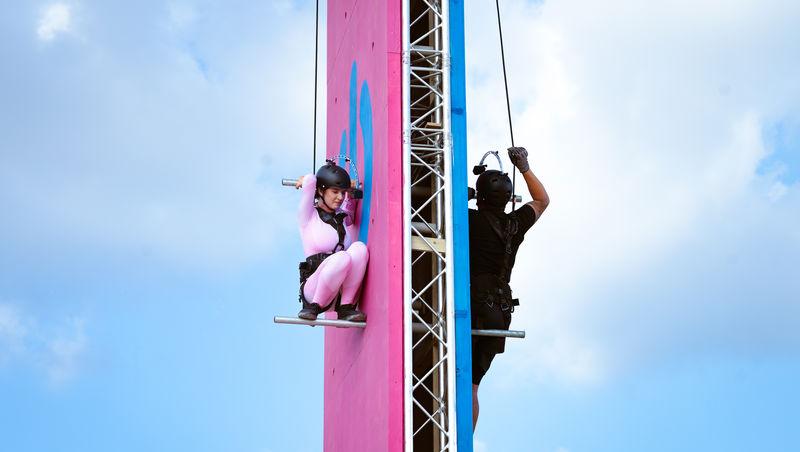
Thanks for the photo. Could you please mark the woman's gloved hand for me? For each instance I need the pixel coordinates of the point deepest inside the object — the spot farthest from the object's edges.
(519, 157)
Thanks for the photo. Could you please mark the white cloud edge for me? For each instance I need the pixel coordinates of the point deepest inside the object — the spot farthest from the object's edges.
(65, 351)
(54, 348)
(560, 95)
(54, 19)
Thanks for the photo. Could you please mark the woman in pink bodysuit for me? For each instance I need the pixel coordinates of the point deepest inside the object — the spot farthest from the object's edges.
(335, 264)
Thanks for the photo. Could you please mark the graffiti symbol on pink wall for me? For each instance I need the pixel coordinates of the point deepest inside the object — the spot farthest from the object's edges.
(360, 114)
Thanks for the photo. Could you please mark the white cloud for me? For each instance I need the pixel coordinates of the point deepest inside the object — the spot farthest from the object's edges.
(479, 446)
(646, 125)
(149, 157)
(65, 351)
(12, 332)
(778, 191)
(284, 6)
(56, 348)
(55, 19)
(181, 15)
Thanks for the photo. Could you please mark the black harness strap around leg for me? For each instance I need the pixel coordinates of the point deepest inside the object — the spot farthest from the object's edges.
(312, 263)
(307, 268)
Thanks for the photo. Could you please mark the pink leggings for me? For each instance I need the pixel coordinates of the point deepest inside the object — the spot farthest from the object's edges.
(343, 270)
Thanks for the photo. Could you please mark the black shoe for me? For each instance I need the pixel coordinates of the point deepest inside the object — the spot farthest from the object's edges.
(349, 312)
(310, 311)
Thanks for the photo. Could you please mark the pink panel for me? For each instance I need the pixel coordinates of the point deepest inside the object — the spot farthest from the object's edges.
(364, 368)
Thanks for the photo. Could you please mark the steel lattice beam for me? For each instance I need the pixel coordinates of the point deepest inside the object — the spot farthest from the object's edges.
(429, 354)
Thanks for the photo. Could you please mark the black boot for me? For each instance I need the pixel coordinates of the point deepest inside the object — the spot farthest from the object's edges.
(349, 312)
(310, 311)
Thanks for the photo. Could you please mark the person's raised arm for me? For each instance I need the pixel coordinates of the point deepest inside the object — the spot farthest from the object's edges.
(519, 157)
(308, 185)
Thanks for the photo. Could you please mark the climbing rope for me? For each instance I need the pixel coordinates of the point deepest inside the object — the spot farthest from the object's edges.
(508, 105)
(316, 58)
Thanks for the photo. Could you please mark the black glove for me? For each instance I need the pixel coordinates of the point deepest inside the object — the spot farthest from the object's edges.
(519, 157)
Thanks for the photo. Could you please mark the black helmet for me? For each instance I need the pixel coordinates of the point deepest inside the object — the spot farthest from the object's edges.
(332, 175)
(493, 189)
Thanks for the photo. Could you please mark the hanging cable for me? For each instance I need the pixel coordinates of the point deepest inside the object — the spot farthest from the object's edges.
(508, 106)
(316, 58)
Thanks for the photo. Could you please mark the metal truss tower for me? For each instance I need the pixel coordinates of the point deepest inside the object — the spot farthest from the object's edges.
(429, 320)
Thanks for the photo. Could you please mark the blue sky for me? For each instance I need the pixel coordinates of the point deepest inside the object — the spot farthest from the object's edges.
(145, 248)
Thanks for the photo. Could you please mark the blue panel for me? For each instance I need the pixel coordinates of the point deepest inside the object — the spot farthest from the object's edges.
(458, 112)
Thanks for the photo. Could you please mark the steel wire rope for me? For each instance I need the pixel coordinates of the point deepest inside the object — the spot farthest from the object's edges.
(508, 106)
(316, 59)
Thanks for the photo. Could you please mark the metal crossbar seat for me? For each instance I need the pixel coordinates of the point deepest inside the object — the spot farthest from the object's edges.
(418, 327)
(319, 322)
(519, 334)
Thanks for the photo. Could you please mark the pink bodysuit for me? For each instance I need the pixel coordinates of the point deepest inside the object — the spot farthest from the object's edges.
(343, 270)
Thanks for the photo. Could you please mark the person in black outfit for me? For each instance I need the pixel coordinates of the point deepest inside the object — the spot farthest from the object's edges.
(494, 237)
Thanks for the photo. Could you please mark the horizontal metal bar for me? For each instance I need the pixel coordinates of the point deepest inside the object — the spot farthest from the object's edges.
(519, 334)
(426, 228)
(319, 322)
(425, 49)
(427, 69)
(293, 182)
(433, 245)
(425, 149)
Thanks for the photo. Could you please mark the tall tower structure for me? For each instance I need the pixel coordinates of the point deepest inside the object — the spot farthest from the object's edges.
(395, 106)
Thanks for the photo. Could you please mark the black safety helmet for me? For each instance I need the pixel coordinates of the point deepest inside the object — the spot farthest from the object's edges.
(332, 175)
(493, 189)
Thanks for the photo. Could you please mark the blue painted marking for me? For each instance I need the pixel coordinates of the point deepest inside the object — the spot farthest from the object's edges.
(343, 148)
(365, 119)
(360, 114)
(352, 149)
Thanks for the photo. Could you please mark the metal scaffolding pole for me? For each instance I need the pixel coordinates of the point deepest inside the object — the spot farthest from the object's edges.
(429, 336)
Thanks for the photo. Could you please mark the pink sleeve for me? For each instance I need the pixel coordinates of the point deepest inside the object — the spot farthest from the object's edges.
(307, 199)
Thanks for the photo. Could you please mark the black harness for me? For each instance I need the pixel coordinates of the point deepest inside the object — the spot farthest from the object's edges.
(505, 231)
(493, 289)
(336, 220)
(312, 263)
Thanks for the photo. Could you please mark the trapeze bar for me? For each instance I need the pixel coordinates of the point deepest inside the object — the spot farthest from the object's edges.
(319, 322)
(293, 182)
(418, 327)
(519, 334)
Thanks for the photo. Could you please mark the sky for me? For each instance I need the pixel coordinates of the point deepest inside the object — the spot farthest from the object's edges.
(144, 252)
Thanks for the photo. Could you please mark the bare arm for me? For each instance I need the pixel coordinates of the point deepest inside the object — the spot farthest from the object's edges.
(540, 198)
(519, 157)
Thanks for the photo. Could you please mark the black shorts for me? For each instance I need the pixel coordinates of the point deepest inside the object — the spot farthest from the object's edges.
(487, 317)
